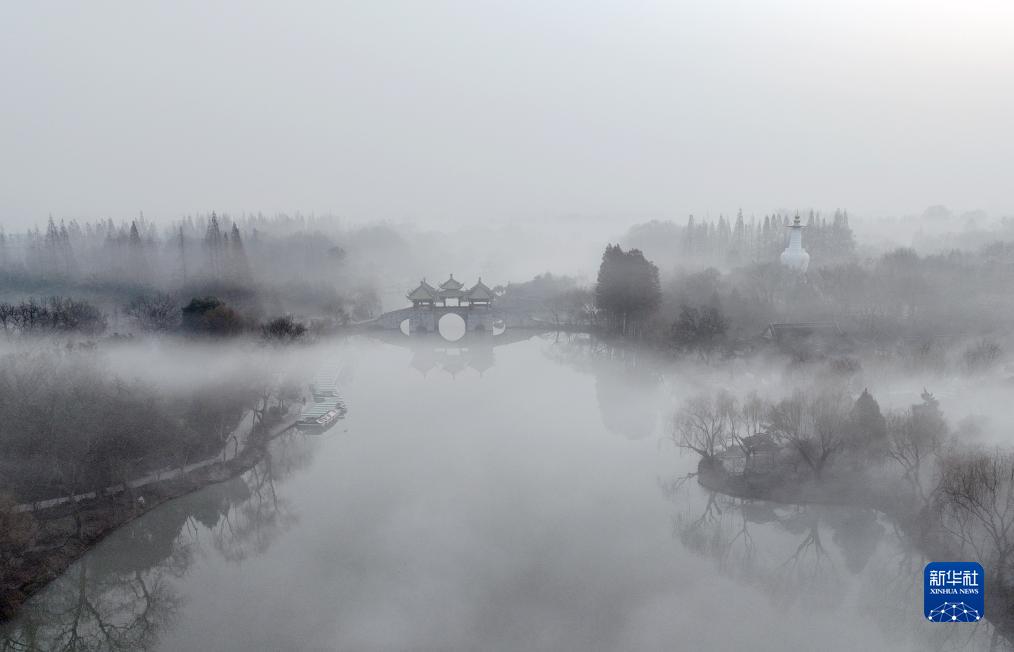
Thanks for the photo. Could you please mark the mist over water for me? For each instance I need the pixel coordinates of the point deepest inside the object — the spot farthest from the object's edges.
(517, 496)
(505, 326)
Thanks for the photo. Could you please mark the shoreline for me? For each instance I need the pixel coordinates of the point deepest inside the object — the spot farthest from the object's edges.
(59, 545)
(910, 518)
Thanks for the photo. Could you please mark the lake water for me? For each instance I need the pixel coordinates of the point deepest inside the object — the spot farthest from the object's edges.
(517, 497)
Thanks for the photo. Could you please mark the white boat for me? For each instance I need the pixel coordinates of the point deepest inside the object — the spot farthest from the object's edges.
(320, 416)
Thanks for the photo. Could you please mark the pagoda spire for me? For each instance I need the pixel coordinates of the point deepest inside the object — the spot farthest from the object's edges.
(794, 256)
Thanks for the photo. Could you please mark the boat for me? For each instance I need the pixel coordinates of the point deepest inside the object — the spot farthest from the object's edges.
(320, 416)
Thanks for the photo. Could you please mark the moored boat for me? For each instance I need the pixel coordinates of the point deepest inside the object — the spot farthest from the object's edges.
(320, 416)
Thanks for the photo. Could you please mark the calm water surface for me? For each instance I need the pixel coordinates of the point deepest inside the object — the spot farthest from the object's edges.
(479, 498)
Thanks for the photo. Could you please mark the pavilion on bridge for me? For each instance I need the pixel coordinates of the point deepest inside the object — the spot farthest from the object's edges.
(451, 294)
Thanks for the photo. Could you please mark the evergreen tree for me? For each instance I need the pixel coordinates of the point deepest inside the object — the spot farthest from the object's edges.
(213, 246)
(66, 250)
(928, 419)
(240, 267)
(699, 328)
(628, 288)
(135, 236)
(135, 255)
(183, 255)
(868, 425)
(48, 261)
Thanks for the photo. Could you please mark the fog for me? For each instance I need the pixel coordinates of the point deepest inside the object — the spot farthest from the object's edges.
(614, 443)
(693, 428)
(538, 501)
(449, 113)
(505, 326)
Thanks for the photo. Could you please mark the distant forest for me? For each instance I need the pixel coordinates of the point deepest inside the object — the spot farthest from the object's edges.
(728, 242)
(706, 287)
(260, 268)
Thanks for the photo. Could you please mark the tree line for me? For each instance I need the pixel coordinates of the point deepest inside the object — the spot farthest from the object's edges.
(813, 431)
(68, 425)
(742, 241)
(260, 265)
(51, 315)
(918, 306)
(157, 313)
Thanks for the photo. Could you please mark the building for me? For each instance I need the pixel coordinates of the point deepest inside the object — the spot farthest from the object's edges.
(451, 294)
(449, 309)
(794, 256)
(805, 339)
(802, 330)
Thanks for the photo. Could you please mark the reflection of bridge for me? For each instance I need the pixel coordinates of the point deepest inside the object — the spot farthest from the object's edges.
(473, 351)
(472, 339)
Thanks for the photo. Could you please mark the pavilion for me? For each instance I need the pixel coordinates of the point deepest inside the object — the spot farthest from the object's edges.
(451, 294)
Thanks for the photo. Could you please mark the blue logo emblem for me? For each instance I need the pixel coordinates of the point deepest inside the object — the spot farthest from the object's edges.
(954, 592)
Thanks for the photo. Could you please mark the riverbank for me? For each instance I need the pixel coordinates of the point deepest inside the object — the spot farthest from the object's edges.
(914, 518)
(892, 498)
(67, 530)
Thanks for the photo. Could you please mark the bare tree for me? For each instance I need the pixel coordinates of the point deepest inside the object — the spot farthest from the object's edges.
(975, 500)
(814, 426)
(907, 446)
(283, 330)
(754, 415)
(8, 316)
(915, 437)
(702, 426)
(156, 313)
(52, 314)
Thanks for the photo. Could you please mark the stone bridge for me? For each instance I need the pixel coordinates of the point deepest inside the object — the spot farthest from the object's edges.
(431, 304)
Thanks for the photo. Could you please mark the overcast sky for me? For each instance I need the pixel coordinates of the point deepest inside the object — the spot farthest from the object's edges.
(465, 111)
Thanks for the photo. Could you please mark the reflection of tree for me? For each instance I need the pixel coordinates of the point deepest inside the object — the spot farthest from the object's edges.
(898, 590)
(720, 535)
(856, 532)
(627, 380)
(120, 595)
(974, 509)
(809, 569)
(781, 549)
(250, 528)
(625, 401)
(975, 503)
(716, 531)
(148, 543)
(87, 610)
(793, 553)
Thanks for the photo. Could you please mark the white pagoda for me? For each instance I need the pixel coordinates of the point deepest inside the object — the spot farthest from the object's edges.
(794, 256)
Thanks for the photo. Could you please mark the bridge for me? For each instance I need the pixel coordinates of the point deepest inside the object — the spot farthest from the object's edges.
(431, 306)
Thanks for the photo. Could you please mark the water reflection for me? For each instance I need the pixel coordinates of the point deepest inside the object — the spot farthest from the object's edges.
(473, 350)
(452, 359)
(536, 529)
(835, 558)
(120, 596)
(628, 380)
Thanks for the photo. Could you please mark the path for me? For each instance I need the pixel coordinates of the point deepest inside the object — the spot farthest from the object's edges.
(239, 436)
